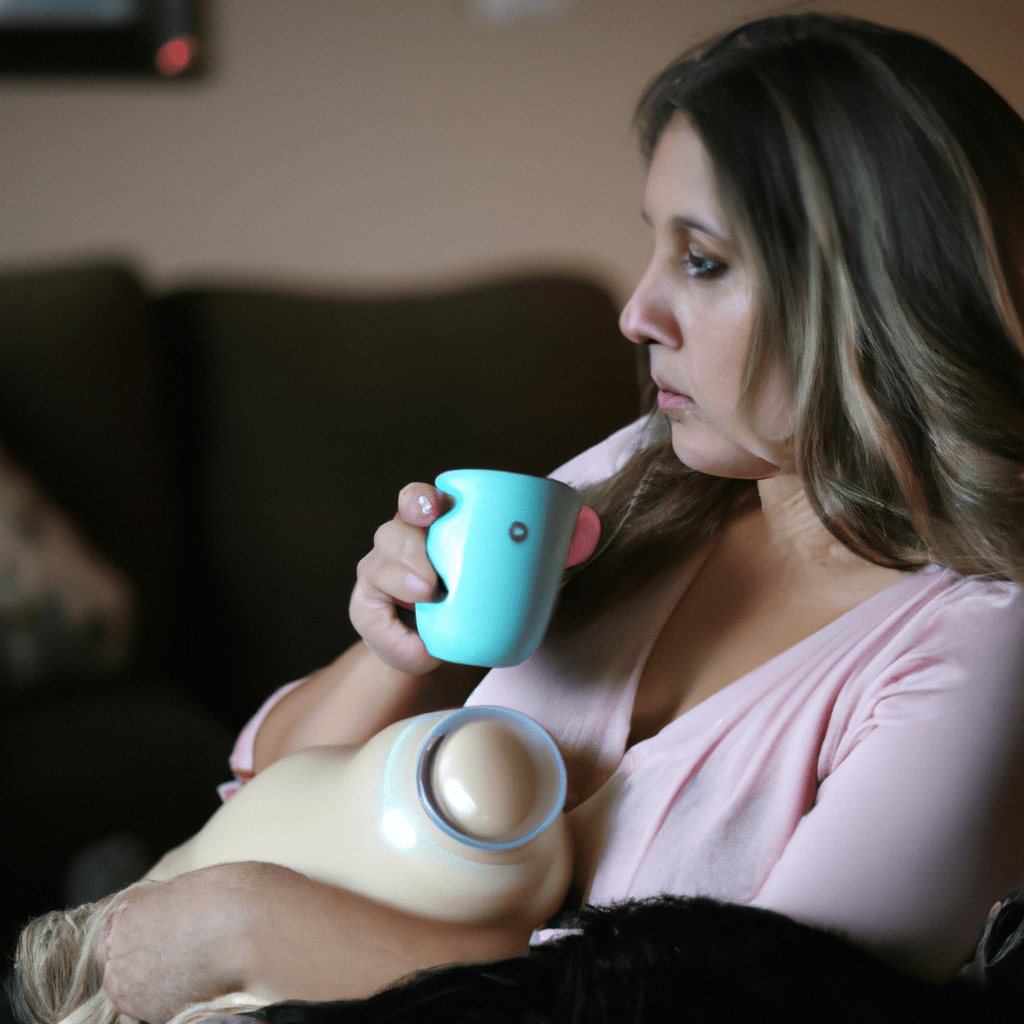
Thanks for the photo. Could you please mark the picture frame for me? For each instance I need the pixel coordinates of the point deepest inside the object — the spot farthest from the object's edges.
(156, 39)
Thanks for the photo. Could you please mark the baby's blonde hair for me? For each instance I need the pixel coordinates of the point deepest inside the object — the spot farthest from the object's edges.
(58, 976)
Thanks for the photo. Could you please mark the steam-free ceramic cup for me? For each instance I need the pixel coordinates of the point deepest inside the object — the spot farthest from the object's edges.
(500, 552)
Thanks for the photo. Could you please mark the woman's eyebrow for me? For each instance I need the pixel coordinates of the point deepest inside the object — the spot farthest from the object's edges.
(680, 224)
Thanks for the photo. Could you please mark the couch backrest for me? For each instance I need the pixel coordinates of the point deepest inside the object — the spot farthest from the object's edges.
(302, 415)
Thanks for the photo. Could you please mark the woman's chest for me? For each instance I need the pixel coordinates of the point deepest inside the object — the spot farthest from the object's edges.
(742, 610)
(706, 806)
(715, 636)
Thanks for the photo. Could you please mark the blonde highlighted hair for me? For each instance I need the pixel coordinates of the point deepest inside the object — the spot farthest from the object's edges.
(877, 185)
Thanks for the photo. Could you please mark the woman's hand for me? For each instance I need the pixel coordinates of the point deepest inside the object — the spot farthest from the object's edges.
(274, 934)
(397, 574)
(390, 675)
(170, 944)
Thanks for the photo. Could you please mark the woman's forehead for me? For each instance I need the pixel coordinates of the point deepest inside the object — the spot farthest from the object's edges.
(681, 185)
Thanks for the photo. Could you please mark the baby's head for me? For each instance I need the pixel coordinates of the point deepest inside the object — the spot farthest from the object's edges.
(57, 975)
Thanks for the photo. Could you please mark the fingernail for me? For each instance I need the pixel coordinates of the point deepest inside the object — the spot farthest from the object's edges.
(426, 505)
(413, 582)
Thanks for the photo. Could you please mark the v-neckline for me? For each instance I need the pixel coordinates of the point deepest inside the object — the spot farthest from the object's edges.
(815, 639)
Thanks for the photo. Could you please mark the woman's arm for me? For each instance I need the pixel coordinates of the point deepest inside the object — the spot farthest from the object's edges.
(354, 698)
(274, 933)
(919, 825)
(389, 675)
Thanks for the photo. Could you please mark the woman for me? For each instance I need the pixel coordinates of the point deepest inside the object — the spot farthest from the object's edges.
(791, 675)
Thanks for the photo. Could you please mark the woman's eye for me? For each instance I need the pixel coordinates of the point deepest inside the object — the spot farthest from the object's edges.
(701, 266)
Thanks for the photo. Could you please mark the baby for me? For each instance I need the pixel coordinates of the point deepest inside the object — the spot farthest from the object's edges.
(453, 815)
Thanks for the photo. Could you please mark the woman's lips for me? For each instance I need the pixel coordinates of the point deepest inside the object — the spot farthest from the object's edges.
(669, 399)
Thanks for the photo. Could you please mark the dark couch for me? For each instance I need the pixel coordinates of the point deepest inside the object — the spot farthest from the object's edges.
(232, 449)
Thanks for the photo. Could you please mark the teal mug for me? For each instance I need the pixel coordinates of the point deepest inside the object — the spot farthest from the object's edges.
(500, 551)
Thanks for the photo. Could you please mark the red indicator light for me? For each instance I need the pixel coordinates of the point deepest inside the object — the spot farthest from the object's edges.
(175, 55)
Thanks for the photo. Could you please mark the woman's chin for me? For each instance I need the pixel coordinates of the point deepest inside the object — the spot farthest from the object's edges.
(721, 459)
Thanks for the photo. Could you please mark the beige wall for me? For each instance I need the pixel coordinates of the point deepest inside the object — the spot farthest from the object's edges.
(384, 143)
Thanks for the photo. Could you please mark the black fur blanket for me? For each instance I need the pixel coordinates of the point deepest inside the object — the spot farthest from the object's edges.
(687, 961)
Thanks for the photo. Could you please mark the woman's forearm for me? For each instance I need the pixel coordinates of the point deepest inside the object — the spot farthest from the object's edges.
(330, 943)
(354, 698)
(275, 934)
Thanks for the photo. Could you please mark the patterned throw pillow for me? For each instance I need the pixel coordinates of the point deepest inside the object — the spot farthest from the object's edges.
(65, 612)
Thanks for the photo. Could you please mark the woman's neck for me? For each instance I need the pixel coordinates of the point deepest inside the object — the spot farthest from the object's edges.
(792, 530)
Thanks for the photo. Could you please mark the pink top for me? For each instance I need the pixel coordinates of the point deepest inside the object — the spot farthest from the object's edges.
(869, 779)
(244, 750)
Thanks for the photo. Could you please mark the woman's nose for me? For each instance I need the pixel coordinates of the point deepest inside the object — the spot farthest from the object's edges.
(647, 317)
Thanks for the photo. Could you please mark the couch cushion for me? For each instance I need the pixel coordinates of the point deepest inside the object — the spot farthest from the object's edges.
(65, 610)
(80, 409)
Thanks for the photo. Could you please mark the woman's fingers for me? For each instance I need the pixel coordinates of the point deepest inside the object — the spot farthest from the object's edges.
(375, 617)
(397, 574)
(398, 565)
(168, 944)
(420, 504)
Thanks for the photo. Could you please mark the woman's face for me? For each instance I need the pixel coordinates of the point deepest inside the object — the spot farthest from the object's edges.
(695, 307)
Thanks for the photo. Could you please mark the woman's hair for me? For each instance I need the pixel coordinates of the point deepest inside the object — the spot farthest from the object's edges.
(58, 977)
(876, 185)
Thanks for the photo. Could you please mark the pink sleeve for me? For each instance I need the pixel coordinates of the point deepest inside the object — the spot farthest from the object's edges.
(918, 824)
(241, 759)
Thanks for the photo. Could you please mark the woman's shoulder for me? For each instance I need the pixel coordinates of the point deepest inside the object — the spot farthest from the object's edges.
(972, 625)
(607, 457)
(954, 595)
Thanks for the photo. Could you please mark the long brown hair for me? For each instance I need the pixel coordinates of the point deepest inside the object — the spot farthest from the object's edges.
(878, 185)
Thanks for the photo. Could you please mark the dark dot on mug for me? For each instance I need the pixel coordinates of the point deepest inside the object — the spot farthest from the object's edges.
(518, 532)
